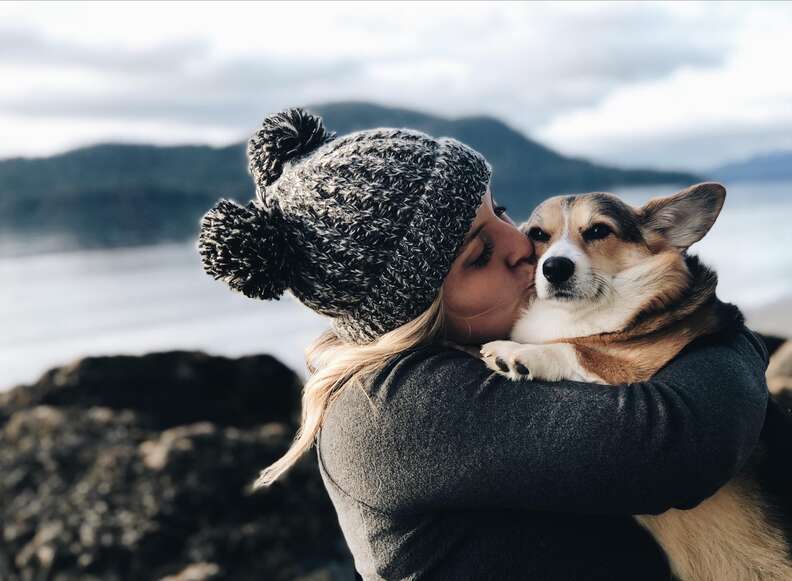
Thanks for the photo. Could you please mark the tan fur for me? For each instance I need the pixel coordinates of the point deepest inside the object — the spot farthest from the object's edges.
(551, 217)
(725, 538)
(655, 334)
(728, 537)
(668, 319)
(609, 255)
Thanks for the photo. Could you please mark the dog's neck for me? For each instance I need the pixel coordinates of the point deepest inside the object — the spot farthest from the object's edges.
(666, 284)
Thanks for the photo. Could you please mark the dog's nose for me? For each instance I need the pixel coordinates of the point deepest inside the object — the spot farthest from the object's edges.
(558, 269)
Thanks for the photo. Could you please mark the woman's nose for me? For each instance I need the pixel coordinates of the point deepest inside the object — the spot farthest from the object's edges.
(520, 247)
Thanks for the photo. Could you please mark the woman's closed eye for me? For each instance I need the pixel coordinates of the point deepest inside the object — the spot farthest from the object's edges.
(486, 252)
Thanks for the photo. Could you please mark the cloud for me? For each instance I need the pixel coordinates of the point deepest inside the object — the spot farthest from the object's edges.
(575, 74)
(535, 60)
(229, 93)
(694, 117)
(28, 47)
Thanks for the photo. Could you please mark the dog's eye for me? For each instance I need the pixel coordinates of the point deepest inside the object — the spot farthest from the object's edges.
(538, 235)
(597, 232)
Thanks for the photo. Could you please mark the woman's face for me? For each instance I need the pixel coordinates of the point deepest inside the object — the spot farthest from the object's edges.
(490, 279)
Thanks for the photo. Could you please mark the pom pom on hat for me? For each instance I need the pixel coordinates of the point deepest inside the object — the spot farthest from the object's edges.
(245, 247)
(362, 228)
(282, 137)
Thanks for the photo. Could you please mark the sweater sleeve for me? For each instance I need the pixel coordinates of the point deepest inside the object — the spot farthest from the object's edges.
(436, 429)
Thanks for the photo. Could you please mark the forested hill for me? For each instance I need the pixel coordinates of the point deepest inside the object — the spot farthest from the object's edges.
(525, 171)
(118, 194)
(774, 166)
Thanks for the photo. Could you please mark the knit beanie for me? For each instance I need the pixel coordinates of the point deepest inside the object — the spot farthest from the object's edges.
(361, 228)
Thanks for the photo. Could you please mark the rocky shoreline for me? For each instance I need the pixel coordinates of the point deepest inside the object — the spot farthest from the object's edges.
(127, 468)
(140, 468)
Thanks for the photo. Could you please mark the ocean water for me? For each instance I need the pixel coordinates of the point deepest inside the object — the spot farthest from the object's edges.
(58, 307)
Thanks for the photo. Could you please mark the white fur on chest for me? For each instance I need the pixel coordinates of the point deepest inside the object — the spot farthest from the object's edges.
(549, 320)
(546, 321)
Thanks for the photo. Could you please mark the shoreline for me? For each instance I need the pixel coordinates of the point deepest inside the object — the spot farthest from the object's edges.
(773, 318)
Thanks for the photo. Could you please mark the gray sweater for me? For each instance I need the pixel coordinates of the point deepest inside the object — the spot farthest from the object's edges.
(441, 469)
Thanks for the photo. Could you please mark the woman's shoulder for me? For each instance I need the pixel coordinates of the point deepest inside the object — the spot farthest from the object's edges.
(430, 351)
(425, 369)
(414, 368)
(433, 352)
(372, 423)
(407, 385)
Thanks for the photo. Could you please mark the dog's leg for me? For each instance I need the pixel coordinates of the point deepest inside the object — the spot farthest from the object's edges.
(551, 362)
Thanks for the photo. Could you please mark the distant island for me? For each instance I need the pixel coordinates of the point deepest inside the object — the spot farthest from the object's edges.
(775, 166)
(113, 195)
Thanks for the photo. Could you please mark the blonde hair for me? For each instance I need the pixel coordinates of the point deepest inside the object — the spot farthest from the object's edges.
(333, 365)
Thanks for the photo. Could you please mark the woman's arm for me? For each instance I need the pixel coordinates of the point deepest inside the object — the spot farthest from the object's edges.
(437, 429)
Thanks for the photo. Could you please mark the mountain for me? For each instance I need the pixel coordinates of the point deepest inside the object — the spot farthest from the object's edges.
(766, 167)
(115, 195)
(525, 172)
(120, 194)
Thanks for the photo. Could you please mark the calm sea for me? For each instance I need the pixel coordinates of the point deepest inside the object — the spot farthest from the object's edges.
(57, 307)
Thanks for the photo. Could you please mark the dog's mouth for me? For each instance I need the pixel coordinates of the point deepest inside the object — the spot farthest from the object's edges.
(563, 280)
(570, 292)
(566, 294)
(563, 294)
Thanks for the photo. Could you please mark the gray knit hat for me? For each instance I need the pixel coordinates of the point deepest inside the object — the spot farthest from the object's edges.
(361, 228)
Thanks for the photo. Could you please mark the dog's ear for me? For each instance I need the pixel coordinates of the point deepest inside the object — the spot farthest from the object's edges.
(684, 218)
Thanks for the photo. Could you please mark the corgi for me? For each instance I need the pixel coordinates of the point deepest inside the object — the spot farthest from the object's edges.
(617, 297)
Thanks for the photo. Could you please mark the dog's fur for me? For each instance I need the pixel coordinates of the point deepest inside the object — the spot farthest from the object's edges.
(635, 299)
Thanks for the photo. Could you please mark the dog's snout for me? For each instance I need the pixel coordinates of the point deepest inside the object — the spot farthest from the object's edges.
(558, 269)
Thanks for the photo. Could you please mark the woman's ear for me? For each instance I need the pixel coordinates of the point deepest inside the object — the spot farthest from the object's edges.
(684, 218)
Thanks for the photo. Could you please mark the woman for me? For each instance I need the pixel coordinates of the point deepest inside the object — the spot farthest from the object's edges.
(438, 468)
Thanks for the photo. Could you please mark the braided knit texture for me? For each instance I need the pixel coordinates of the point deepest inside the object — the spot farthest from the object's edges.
(369, 223)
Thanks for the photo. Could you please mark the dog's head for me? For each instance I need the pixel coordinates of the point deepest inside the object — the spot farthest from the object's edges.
(588, 244)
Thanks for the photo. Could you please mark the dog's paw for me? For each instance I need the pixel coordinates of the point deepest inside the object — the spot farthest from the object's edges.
(504, 357)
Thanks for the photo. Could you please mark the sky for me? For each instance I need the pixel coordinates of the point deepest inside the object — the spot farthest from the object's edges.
(666, 85)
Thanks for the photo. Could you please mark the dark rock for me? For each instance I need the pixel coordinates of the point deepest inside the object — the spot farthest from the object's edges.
(103, 492)
(170, 389)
